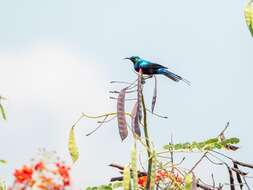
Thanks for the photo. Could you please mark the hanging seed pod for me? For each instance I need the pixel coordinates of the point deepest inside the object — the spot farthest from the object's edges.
(122, 124)
(126, 178)
(139, 94)
(153, 171)
(135, 120)
(134, 167)
(154, 96)
(73, 150)
(248, 13)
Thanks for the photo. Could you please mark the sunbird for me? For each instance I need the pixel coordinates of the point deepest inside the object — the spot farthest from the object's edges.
(150, 68)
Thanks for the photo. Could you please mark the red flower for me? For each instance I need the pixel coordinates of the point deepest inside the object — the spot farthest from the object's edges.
(24, 174)
(39, 166)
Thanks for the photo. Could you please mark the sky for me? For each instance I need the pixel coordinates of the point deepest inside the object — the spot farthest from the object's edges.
(57, 59)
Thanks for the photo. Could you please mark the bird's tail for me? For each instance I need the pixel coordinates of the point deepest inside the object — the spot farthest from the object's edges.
(174, 77)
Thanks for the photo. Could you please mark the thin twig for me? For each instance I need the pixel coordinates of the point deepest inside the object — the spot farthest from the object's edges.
(213, 180)
(156, 114)
(172, 154)
(247, 185)
(127, 99)
(117, 92)
(100, 125)
(221, 135)
(243, 164)
(215, 163)
(197, 163)
(107, 121)
(78, 120)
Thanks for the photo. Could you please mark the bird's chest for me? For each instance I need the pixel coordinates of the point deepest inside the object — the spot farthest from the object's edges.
(137, 67)
(145, 70)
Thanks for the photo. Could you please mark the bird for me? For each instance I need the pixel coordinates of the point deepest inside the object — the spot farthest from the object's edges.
(150, 68)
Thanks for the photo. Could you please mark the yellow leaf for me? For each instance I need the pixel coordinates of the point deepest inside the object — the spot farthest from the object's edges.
(73, 150)
(188, 182)
(3, 161)
(2, 112)
(248, 13)
(134, 167)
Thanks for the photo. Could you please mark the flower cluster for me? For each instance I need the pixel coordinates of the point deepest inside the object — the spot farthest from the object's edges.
(162, 176)
(45, 173)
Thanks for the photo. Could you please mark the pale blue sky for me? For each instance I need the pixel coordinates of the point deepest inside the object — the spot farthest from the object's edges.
(57, 58)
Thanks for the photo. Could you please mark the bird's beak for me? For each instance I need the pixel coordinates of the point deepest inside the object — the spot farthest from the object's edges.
(127, 58)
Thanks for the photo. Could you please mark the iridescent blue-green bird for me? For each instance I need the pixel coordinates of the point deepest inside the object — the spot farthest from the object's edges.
(150, 68)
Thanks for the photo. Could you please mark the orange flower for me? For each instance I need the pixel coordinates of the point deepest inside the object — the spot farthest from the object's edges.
(24, 174)
(142, 180)
(64, 172)
(161, 175)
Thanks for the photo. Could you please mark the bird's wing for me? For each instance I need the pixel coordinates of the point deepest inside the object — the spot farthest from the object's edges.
(151, 65)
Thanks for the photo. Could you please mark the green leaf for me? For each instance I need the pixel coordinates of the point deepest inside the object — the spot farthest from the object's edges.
(194, 145)
(218, 145)
(101, 187)
(201, 145)
(186, 145)
(178, 146)
(210, 141)
(117, 184)
(209, 144)
(168, 146)
(234, 140)
(104, 187)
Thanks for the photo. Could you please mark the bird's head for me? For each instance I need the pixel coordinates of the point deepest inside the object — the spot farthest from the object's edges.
(134, 59)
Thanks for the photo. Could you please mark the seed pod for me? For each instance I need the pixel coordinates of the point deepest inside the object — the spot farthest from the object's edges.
(135, 120)
(154, 96)
(73, 150)
(2, 111)
(134, 167)
(122, 124)
(248, 13)
(139, 94)
(153, 172)
(126, 178)
(188, 182)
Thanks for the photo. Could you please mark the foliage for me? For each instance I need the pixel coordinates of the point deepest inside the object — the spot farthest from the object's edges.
(160, 173)
(110, 186)
(210, 144)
